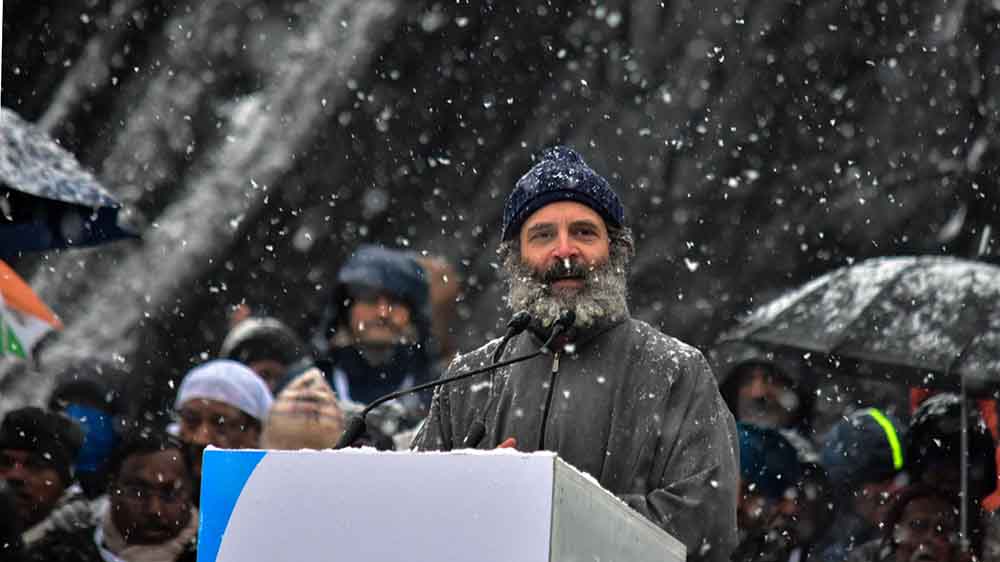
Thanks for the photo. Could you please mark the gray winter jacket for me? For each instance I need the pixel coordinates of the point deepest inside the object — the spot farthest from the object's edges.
(638, 410)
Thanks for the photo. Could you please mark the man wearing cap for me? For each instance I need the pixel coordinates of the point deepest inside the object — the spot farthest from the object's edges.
(221, 403)
(37, 449)
(863, 455)
(267, 346)
(638, 410)
(375, 338)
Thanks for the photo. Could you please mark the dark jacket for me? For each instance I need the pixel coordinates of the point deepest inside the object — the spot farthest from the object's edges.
(78, 546)
(638, 410)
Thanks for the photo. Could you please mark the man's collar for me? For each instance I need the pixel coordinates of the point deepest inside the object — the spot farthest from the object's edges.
(575, 336)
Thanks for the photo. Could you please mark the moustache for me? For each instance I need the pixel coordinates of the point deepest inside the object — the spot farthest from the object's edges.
(565, 269)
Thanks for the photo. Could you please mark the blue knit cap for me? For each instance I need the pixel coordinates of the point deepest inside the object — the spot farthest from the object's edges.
(392, 271)
(562, 175)
(867, 446)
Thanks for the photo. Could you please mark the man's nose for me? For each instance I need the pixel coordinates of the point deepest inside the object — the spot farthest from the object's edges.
(154, 504)
(787, 507)
(565, 248)
(758, 386)
(203, 435)
(384, 307)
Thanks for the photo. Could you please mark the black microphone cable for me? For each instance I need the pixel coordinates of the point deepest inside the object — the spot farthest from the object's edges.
(478, 428)
(357, 424)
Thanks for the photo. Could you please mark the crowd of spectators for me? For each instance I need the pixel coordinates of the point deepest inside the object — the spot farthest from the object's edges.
(87, 481)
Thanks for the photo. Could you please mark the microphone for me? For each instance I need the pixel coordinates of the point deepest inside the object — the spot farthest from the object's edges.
(563, 323)
(478, 429)
(357, 425)
(476, 432)
(518, 323)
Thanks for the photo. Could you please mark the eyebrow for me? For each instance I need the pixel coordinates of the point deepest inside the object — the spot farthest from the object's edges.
(584, 222)
(538, 227)
(575, 224)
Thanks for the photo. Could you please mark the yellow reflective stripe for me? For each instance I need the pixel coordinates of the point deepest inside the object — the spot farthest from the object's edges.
(890, 434)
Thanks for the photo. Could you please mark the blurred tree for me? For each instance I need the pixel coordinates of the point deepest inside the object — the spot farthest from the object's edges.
(756, 144)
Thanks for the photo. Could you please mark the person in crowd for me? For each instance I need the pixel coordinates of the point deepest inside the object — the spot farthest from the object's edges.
(804, 514)
(37, 449)
(764, 389)
(376, 334)
(89, 392)
(933, 448)
(221, 403)
(785, 496)
(989, 412)
(305, 415)
(638, 410)
(150, 515)
(267, 346)
(922, 526)
(864, 456)
(768, 462)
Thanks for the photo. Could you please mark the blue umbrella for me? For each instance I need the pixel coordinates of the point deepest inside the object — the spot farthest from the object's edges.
(47, 199)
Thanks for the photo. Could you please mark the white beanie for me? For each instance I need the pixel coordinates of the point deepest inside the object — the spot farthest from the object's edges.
(229, 382)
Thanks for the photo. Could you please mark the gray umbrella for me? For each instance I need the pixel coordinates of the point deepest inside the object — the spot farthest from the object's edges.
(47, 199)
(929, 321)
(924, 321)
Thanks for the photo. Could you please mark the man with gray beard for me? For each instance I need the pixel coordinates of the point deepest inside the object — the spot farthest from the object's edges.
(638, 410)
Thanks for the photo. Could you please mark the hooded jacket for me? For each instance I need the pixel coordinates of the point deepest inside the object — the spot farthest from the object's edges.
(346, 368)
(636, 409)
(731, 359)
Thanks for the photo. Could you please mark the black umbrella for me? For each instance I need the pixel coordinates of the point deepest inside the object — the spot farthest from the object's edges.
(928, 321)
(924, 321)
(47, 199)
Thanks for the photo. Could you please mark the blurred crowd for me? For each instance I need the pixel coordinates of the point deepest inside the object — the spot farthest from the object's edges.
(880, 481)
(832, 470)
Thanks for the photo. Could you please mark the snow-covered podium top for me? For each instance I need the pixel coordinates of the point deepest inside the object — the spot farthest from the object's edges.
(494, 506)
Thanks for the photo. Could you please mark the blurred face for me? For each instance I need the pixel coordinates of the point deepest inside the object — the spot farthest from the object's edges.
(799, 511)
(36, 483)
(209, 422)
(766, 399)
(926, 531)
(874, 500)
(271, 370)
(565, 263)
(380, 319)
(151, 498)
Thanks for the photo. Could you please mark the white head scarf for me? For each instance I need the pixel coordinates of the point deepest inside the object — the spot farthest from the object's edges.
(229, 382)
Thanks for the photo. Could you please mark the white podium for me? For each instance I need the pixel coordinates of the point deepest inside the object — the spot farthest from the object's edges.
(360, 505)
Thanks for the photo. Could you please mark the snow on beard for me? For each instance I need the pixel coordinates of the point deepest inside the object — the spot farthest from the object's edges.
(602, 297)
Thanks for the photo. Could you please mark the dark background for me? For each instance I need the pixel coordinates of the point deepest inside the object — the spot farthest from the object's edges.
(256, 143)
